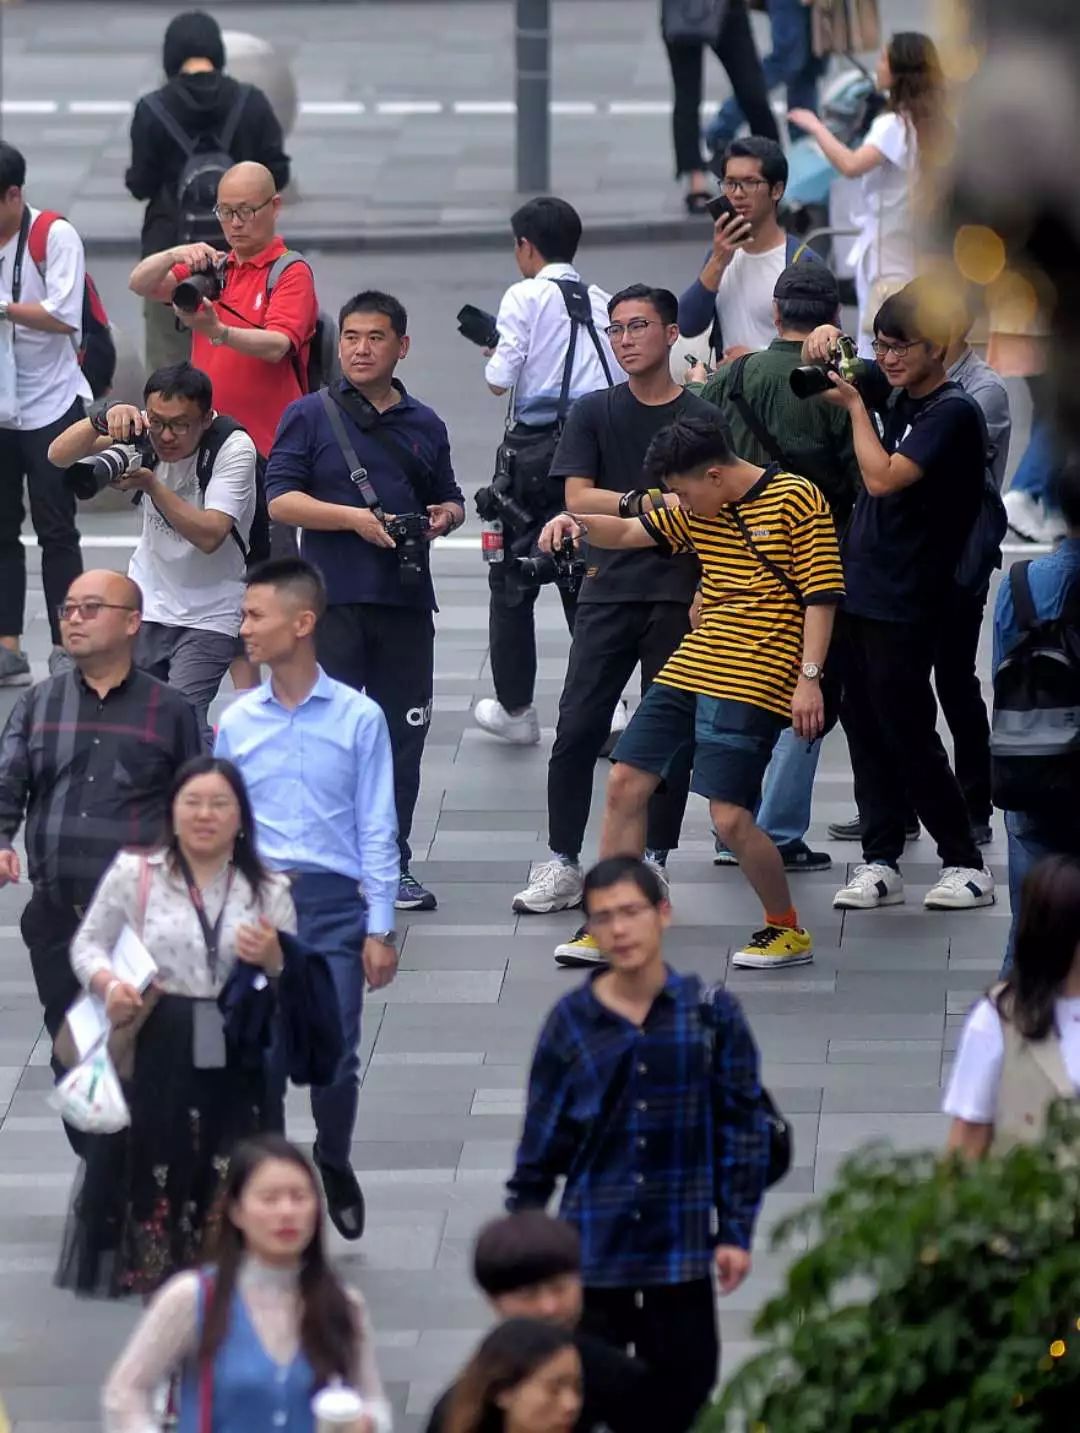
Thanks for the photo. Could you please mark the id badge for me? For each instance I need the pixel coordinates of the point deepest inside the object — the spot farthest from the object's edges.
(207, 1036)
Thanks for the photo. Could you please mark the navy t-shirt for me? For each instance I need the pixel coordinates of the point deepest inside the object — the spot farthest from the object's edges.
(306, 458)
(900, 551)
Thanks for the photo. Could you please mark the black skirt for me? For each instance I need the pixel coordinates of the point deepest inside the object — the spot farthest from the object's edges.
(146, 1202)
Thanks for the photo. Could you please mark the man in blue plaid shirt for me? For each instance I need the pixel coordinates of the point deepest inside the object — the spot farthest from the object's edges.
(645, 1095)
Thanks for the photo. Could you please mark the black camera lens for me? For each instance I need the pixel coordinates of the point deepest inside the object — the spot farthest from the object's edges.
(190, 292)
(809, 380)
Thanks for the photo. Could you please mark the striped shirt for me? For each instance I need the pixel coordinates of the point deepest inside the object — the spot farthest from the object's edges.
(748, 647)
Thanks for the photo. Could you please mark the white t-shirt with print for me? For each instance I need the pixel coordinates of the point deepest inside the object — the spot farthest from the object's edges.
(973, 1089)
(47, 372)
(181, 586)
(744, 299)
(886, 230)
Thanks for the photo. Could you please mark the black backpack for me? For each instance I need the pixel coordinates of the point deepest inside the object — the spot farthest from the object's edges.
(323, 366)
(257, 548)
(1035, 733)
(206, 160)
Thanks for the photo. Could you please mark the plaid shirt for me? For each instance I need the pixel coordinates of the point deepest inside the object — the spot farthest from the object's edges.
(658, 1130)
(91, 774)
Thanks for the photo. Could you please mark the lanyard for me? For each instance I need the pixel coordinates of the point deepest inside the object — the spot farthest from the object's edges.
(211, 933)
(20, 254)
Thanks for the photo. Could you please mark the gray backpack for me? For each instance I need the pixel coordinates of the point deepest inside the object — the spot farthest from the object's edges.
(208, 158)
(323, 365)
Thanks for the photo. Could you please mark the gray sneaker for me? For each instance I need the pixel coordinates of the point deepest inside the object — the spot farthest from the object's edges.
(14, 669)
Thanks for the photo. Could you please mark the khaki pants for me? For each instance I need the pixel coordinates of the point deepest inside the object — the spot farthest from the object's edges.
(165, 344)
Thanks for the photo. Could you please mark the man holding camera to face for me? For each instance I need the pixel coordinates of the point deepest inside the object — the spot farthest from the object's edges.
(193, 474)
(363, 469)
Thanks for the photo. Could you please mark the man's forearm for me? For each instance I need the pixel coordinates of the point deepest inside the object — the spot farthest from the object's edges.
(817, 632)
(611, 532)
(586, 498)
(152, 277)
(871, 456)
(261, 343)
(301, 510)
(204, 529)
(75, 443)
(38, 317)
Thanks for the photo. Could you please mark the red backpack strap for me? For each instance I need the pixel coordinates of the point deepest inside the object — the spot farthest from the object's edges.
(38, 241)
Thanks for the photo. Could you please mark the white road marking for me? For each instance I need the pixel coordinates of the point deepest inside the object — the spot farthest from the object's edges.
(332, 107)
(619, 108)
(99, 107)
(123, 542)
(409, 107)
(29, 107)
(574, 107)
(491, 107)
(615, 109)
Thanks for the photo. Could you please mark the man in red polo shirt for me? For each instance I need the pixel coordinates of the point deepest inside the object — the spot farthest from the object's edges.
(253, 346)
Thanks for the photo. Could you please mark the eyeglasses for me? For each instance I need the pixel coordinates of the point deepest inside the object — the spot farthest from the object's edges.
(226, 213)
(901, 350)
(741, 186)
(89, 609)
(178, 427)
(216, 805)
(602, 919)
(615, 331)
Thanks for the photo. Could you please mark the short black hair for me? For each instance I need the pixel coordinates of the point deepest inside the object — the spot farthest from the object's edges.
(805, 314)
(774, 165)
(293, 575)
(663, 301)
(614, 869)
(12, 168)
(375, 301)
(551, 226)
(182, 380)
(911, 316)
(686, 444)
(523, 1249)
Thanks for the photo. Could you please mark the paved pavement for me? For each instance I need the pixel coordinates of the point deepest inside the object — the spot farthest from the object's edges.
(854, 1046)
(406, 122)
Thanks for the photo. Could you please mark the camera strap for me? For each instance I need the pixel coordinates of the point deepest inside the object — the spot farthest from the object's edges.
(20, 255)
(358, 474)
(751, 419)
(771, 567)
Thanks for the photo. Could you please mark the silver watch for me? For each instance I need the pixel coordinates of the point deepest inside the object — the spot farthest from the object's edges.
(811, 671)
(3, 309)
(384, 937)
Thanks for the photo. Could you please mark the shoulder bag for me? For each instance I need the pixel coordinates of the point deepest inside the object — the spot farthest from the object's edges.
(416, 475)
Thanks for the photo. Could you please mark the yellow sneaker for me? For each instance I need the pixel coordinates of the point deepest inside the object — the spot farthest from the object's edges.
(582, 950)
(774, 946)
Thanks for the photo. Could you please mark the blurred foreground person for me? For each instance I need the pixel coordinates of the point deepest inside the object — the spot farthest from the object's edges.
(257, 1332)
(199, 903)
(524, 1378)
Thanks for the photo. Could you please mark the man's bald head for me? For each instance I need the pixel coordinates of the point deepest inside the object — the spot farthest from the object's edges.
(109, 586)
(102, 616)
(246, 183)
(248, 205)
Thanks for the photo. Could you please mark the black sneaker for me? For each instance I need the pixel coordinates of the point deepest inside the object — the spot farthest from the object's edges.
(797, 856)
(982, 833)
(853, 830)
(412, 896)
(344, 1199)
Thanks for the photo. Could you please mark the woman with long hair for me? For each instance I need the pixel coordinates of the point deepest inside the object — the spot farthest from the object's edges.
(1020, 1049)
(200, 903)
(902, 141)
(524, 1378)
(258, 1331)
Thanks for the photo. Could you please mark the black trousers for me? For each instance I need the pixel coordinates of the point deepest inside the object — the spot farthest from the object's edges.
(610, 639)
(672, 1329)
(512, 634)
(389, 652)
(890, 717)
(736, 51)
(24, 454)
(47, 928)
(960, 694)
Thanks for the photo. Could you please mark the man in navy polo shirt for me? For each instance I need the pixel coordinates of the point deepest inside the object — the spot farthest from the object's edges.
(377, 633)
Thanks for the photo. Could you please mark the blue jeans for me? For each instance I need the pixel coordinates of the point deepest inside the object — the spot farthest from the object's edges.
(332, 919)
(790, 62)
(1038, 469)
(1029, 841)
(784, 813)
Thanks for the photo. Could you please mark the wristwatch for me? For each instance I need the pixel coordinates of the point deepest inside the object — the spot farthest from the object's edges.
(384, 937)
(811, 671)
(221, 339)
(3, 309)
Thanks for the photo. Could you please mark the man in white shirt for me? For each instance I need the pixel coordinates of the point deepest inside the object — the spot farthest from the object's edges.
(198, 502)
(531, 358)
(732, 298)
(41, 312)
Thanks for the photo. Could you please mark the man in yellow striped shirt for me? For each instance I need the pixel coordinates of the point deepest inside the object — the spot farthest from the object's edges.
(771, 581)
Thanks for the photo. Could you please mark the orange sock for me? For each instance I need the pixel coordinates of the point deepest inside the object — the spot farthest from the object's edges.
(789, 919)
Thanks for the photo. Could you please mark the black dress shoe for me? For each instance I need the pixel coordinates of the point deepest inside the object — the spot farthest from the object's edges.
(853, 830)
(344, 1199)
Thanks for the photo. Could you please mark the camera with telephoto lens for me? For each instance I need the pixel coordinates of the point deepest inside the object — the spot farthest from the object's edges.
(204, 284)
(561, 565)
(407, 530)
(105, 469)
(812, 379)
(497, 500)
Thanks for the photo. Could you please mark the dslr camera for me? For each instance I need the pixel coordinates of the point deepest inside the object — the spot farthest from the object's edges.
(497, 500)
(204, 284)
(478, 326)
(812, 379)
(562, 565)
(105, 469)
(407, 530)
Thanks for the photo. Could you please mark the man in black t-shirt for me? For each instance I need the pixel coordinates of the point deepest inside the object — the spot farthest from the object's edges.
(633, 606)
(922, 488)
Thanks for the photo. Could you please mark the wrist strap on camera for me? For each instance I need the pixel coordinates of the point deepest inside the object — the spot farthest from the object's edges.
(358, 474)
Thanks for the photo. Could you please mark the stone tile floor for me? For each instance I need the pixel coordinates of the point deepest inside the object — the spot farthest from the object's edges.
(854, 1047)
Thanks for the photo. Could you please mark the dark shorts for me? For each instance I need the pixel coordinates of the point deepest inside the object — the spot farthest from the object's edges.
(731, 742)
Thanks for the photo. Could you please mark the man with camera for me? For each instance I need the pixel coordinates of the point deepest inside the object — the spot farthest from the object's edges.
(194, 475)
(551, 349)
(363, 469)
(633, 608)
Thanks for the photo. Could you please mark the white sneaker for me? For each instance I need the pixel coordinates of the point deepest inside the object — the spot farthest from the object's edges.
(961, 888)
(522, 730)
(553, 886)
(1029, 518)
(871, 885)
(620, 717)
(660, 872)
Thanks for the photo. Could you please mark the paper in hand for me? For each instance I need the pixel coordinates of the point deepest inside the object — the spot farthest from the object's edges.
(132, 962)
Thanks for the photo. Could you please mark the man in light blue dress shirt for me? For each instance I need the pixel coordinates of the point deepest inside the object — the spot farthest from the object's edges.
(315, 755)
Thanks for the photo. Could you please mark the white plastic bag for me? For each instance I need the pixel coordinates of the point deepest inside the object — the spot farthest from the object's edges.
(89, 1096)
(9, 399)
